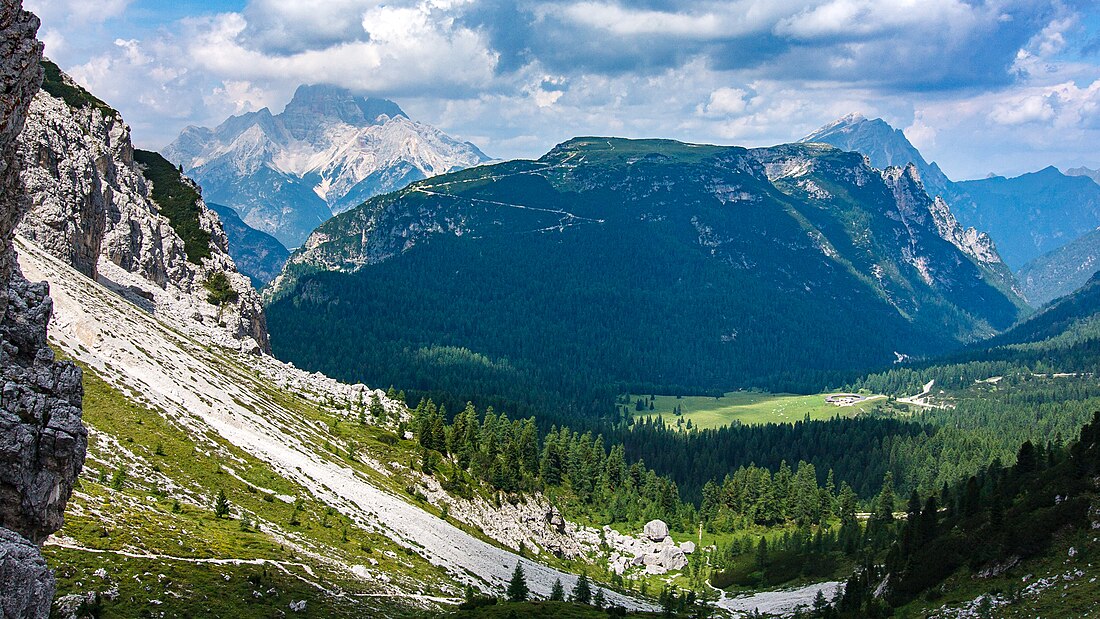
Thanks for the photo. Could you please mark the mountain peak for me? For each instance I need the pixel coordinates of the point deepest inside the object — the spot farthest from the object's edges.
(327, 101)
(884, 146)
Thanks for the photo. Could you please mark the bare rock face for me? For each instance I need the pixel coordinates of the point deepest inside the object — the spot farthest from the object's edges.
(26, 584)
(42, 440)
(92, 206)
(67, 182)
(19, 54)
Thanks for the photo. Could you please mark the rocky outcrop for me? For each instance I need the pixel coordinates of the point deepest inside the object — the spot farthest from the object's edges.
(42, 440)
(26, 584)
(655, 551)
(92, 206)
(67, 174)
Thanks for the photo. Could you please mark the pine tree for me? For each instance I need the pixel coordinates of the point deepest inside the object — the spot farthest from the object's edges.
(557, 593)
(517, 587)
(221, 504)
(884, 511)
(762, 554)
(582, 592)
(598, 600)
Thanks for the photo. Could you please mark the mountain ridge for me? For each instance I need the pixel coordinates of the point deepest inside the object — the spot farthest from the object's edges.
(760, 235)
(1061, 271)
(327, 151)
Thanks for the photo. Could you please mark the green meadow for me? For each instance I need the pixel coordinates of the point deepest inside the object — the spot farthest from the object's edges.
(749, 407)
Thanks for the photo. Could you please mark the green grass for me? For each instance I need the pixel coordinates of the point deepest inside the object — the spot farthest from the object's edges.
(748, 407)
(162, 506)
(177, 201)
(54, 83)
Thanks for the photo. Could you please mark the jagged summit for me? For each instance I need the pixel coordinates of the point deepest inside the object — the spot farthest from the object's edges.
(884, 145)
(314, 101)
(327, 151)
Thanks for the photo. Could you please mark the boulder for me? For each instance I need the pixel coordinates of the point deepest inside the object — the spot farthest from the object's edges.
(688, 547)
(655, 530)
(672, 558)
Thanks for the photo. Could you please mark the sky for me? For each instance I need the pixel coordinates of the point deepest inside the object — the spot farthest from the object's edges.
(979, 86)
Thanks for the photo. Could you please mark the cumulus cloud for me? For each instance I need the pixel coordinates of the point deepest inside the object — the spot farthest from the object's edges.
(517, 77)
(724, 102)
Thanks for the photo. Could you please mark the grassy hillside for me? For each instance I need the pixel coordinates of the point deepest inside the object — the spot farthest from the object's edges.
(144, 513)
(178, 201)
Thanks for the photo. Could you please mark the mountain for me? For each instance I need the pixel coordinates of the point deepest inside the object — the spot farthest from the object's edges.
(1083, 171)
(326, 152)
(127, 217)
(258, 255)
(884, 145)
(688, 267)
(1056, 207)
(1028, 215)
(42, 440)
(1072, 317)
(1060, 272)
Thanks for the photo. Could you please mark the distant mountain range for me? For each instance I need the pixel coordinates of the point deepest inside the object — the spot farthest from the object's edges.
(258, 255)
(1061, 271)
(1027, 216)
(639, 262)
(1083, 171)
(326, 152)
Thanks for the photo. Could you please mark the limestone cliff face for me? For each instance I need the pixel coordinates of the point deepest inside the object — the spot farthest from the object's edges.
(42, 439)
(92, 205)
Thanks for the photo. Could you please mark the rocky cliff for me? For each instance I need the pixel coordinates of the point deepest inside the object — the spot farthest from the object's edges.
(96, 206)
(42, 439)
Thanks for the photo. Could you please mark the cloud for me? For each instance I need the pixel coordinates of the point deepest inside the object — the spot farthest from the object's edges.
(724, 102)
(405, 49)
(963, 76)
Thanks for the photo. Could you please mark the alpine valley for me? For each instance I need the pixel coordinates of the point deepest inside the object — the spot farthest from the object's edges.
(632, 377)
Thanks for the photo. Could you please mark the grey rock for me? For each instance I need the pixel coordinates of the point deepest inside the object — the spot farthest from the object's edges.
(71, 606)
(42, 440)
(555, 519)
(671, 558)
(26, 584)
(91, 206)
(687, 547)
(655, 530)
(67, 175)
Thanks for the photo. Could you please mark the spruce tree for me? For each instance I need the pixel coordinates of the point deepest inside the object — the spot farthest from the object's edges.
(221, 504)
(557, 593)
(517, 587)
(582, 592)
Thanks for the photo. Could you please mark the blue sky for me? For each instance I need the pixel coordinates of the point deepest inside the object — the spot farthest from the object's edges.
(978, 85)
